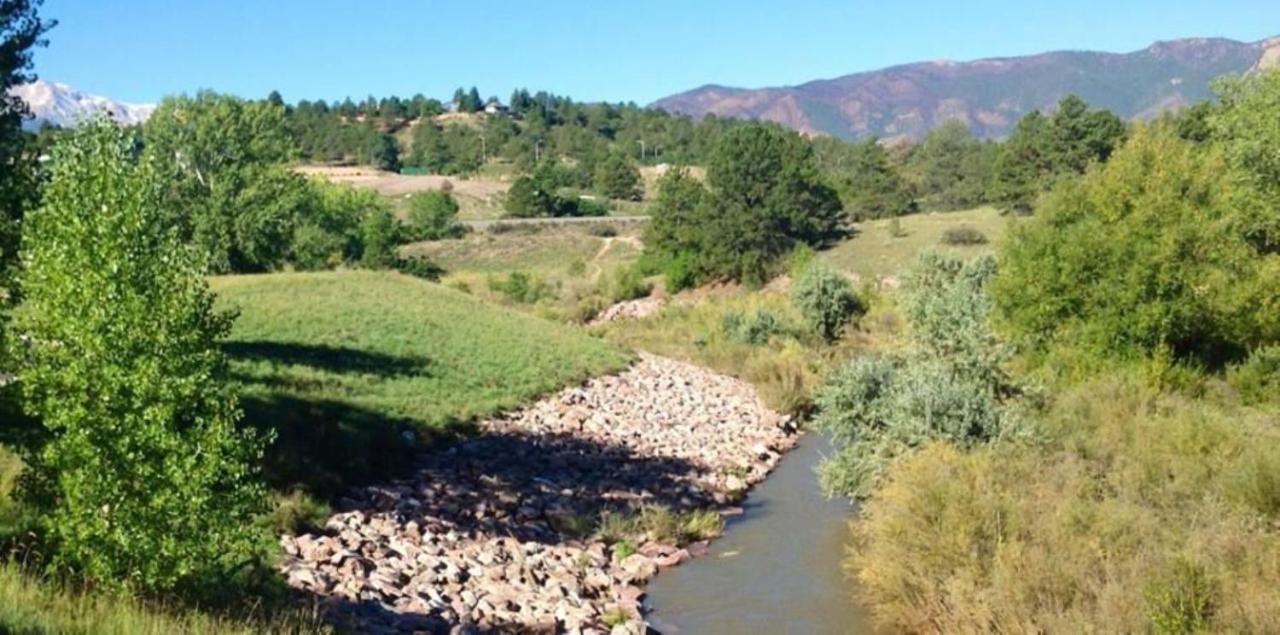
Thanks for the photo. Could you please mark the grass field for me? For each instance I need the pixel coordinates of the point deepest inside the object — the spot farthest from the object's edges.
(874, 253)
(345, 365)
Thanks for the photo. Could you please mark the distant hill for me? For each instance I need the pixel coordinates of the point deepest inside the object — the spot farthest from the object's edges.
(989, 95)
(63, 105)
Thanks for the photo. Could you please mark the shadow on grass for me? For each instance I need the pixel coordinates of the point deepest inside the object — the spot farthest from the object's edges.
(326, 447)
(333, 359)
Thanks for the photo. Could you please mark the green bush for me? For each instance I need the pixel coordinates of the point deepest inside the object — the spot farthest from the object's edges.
(825, 300)
(380, 238)
(433, 215)
(680, 272)
(626, 283)
(1152, 255)
(1257, 379)
(617, 177)
(963, 236)
(947, 386)
(148, 482)
(521, 287)
(420, 268)
(754, 328)
(602, 230)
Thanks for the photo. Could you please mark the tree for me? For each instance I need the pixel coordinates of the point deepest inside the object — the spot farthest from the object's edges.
(616, 177)
(380, 238)
(873, 186)
(21, 31)
(529, 198)
(154, 487)
(765, 196)
(433, 215)
(1023, 164)
(430, 151)
(385, 153)
(224, 161)
(1151, 254)
(952, 167)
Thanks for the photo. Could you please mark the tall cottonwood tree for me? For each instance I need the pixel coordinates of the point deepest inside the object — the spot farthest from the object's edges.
(148, 482)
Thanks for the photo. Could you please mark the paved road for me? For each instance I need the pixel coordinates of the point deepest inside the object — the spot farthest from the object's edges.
(563, 220)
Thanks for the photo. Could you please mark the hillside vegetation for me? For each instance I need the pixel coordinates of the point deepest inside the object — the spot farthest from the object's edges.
(343, 364)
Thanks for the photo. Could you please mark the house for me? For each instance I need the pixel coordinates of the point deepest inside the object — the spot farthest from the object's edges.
(494, 107)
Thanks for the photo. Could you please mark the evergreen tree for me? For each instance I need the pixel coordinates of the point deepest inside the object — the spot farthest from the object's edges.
(616, 177)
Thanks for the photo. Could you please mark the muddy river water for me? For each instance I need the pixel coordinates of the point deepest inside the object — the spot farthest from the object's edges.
(777, 569)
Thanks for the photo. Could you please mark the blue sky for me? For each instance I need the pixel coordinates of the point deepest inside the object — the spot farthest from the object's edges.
(141, 50)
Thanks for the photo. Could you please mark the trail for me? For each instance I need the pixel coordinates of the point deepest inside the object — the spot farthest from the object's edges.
(604, 249)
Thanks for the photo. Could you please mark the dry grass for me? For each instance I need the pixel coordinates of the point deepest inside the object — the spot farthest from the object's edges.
(874, 253)
(1145, 512)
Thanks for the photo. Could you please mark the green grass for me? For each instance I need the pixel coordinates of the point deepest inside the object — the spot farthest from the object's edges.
(874, 252)
(31, 606)
(345, 365)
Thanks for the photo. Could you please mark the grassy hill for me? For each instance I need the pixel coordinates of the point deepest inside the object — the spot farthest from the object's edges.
(345, 366)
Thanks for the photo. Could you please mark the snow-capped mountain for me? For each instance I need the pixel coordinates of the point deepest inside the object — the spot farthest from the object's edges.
(63, 105)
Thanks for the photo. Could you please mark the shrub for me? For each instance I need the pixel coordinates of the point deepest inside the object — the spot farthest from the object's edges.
(577, 267)
(616, 177)
(1116, 523)
(380, 237)
(825, 300)
(625, 283)
(153, 486)
(963, 236)
(1150, 255)
(948, 385)
(521, 287)
(1257, 379)
(420, 268)
(680, 272)
(602, 230)
(750, 328)
(433, 215)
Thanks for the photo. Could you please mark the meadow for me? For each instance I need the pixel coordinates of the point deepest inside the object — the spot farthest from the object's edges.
(343, 361)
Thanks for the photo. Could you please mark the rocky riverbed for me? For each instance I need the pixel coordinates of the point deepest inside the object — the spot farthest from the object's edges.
(497, 533)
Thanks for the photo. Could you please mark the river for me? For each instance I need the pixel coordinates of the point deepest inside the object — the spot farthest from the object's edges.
(777, 569)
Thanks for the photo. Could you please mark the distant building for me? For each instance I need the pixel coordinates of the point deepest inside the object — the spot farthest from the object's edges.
(494, 107)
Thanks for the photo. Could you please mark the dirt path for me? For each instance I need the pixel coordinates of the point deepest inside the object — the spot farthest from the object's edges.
(497, 531)
(604, 249)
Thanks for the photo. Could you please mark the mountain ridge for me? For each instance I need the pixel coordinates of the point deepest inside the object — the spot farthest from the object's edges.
(989, 94)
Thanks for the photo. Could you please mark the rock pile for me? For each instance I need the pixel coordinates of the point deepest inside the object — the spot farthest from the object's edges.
(495, 533)
(630, 310)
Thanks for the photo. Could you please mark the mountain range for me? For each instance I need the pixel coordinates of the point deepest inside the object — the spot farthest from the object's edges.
(990, 95)
(62, 105)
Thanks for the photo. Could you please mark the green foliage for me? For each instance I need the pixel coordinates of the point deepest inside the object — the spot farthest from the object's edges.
(825, 300)
(616, 177)
(871, 186)
(21, 31)
(951, 168)
(1246, 126)
(433, 215)
(754, 328)
(1042, 150)
(521, 287)
(329, 234)
(380, 236)
(1183, 601)
(949, 385)
(1257, 379)
(384, 154)
(152, 483)
(764, 197)
(224, 164)
(1149, 255)
(625, 283)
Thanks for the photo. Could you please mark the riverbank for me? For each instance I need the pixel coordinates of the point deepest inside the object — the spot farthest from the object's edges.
(539, 523)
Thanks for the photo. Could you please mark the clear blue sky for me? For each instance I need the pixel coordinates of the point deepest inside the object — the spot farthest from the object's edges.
(616, 50)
